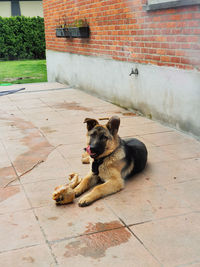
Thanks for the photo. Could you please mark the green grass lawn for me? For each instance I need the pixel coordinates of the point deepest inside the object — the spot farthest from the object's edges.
(23, 71)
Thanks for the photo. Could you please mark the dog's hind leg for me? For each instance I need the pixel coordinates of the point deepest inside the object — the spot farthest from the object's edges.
(86, 183)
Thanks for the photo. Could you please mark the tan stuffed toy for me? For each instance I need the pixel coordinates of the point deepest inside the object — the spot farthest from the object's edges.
(85, 158)
(65, 194)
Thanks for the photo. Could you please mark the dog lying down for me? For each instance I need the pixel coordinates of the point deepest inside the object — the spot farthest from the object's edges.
(113, 160)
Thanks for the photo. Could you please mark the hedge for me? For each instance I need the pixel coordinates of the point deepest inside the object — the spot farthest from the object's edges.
(22, 38)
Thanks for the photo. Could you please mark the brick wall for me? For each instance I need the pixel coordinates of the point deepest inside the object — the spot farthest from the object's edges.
(123, 30)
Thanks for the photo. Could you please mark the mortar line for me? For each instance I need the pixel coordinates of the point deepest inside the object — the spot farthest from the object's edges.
(14, 249)
(41, 229)
(85, 234)
(144, 245)
(139, 240)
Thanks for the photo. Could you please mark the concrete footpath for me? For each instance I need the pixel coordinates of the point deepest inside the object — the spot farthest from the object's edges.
(154, 221)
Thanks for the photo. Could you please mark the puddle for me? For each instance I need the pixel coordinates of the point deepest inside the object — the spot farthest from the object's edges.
(72, 106)
(95, 245)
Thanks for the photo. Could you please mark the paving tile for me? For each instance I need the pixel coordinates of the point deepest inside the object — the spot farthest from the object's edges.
(15, 148)
(41, 119)
(162, 173)
(74, 137)
(28, 103)
(18, 230)
(65, 128)
(191, 264)
(158, 154)
(7, 174)
(5, 161)
(12, 198)
(108, 248)
(75, 165)
(132, 121)
(11, 134)
(38, 256)
(8, 106)
(190, 149)
(54, 167)
(174, 241)
(148, 128)
(140, 201)
(48, 125)
(186, 195)
(71, 151)
(40, 193)
(66, 221)
(126, 132)
(167, 138)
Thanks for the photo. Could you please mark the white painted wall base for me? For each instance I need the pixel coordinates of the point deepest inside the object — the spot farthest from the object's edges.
(166, 94)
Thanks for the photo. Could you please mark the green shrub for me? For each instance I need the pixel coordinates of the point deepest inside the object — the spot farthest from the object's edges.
(22, 38)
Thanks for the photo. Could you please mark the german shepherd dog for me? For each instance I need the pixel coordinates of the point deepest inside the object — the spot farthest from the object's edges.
(114, 160)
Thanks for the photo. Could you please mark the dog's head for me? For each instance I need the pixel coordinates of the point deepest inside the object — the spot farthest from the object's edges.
(102, 139)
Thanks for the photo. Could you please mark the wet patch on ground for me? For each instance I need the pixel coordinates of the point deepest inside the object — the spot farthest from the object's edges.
(7, 174)
(8, 192)
(71, 106)
(95, 245)
(38, 148)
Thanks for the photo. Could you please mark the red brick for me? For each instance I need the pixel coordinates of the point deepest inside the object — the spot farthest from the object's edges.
(163, 37)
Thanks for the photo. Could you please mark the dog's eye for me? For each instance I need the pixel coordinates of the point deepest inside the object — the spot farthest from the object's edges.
(103, 137)
(93, 135)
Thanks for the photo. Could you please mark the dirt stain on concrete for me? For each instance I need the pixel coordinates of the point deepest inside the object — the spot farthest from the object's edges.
(99, 209)
(95, 245)
(99, 227)
(53, 218)
(38, 148)
(7, 174)
(8, 192)
(72, 106)
(24, 236)
(28, 259)
(48, 130)
(129, 114)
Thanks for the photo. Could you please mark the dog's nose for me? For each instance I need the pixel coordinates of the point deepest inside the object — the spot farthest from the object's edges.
(92, 148)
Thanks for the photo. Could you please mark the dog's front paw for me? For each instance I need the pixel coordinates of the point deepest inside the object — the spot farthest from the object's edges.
(85, 201)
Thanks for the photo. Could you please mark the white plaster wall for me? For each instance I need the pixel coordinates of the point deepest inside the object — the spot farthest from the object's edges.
(5, 9)
(166, 94)
(31, 8)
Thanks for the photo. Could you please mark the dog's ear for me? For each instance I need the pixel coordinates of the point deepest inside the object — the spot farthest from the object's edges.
(90, 123)
(113, 125)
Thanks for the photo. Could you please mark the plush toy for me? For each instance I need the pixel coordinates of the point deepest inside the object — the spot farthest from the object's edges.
(65, 194)
(85, 158)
